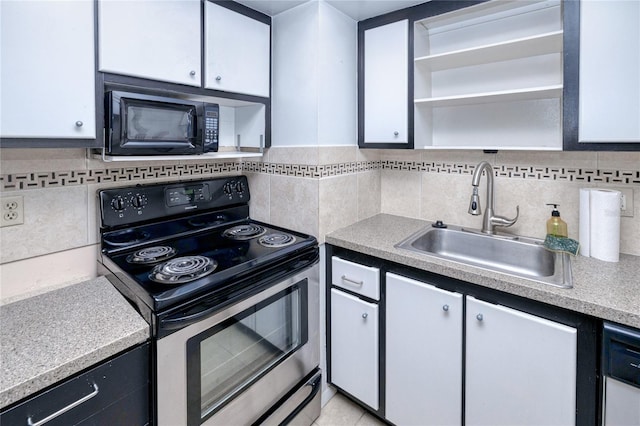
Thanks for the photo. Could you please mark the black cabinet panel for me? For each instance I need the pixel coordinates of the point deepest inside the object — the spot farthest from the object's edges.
(114, 392)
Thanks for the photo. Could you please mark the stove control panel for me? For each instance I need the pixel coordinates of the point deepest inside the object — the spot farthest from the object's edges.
(129, 205)
(187, 195)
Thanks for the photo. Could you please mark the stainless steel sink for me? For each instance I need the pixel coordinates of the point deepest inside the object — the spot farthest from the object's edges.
(509, 254)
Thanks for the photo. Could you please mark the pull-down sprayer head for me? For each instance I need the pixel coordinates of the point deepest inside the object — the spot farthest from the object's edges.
(474, 205)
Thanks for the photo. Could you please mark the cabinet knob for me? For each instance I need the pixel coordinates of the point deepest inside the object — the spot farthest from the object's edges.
(218, 78)
(396, 133)
(79, 123)
(445, 308)
(365, 315)
(192, 73)
(479, 317)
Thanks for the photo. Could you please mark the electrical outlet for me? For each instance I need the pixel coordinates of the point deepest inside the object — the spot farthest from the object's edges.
(12, 211)
(626, 205)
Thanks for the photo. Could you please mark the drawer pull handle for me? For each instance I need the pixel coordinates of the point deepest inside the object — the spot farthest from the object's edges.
(71, 406)
(349, 280)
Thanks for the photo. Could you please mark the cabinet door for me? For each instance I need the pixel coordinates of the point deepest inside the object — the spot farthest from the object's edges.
(423, 354)
(609, 71)
(354, 346)
(237, 52)
(47, 88)
(158, 40)
(386, 53)
(115, 392)
(520, 369)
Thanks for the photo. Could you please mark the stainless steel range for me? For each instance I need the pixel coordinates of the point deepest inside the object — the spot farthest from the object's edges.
(232, 302)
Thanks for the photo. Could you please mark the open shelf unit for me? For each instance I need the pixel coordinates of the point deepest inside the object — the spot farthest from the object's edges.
(489, 76)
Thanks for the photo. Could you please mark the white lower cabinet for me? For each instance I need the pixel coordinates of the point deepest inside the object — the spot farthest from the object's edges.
(449, 358)
(423, 354)
(354, 346)
(520, 369)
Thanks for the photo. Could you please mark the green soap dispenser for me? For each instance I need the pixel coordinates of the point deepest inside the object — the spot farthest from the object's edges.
(555, 225)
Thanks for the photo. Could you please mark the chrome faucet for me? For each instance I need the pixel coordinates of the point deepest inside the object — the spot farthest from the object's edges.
(489, 220)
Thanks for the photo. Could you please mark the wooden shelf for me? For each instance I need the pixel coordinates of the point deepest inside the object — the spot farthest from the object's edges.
(513, 49)
(546, 92)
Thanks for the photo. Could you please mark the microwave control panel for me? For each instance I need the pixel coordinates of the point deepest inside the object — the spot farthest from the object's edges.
(211, 119)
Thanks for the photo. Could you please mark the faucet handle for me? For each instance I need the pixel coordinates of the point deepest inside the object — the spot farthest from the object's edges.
(503, 221)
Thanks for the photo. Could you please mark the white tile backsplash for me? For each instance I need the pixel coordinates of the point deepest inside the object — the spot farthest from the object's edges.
(339, 186)
(54, 220)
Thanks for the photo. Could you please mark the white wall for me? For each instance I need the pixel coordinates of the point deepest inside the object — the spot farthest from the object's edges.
(337, 88)
(294, 86)
(314, 77)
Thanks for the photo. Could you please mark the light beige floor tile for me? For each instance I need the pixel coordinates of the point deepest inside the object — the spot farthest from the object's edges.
(339, 411)
(369, 420)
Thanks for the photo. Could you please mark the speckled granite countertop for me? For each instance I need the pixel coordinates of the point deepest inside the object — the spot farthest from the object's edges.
(47, 338)
(606, 290)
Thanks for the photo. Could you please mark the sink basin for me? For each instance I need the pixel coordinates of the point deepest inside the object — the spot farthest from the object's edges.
(509, 254)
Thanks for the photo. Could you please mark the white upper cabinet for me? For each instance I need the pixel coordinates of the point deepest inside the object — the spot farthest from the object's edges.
(609, 105)
(158, 40)
(490, 76)
(47, 85)
(386, 50)
(236, 52)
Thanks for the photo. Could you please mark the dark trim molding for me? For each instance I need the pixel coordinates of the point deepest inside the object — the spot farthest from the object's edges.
(244, 10)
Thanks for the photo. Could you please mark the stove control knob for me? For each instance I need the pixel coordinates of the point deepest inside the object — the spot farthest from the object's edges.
(139, 201)
(240, 187)
(118, 203)
(228, 188)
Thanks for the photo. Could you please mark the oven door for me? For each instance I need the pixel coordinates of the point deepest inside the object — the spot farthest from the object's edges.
(234, 366)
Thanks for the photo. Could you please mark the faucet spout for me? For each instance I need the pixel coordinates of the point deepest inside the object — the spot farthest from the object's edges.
(489, 220)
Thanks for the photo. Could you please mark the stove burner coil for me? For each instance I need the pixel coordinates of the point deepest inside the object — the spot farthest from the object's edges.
(183, 269)
(277, 240)
(126, 237)
(150, 255)
(244, 232)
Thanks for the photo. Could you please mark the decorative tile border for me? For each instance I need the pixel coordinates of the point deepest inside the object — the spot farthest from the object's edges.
(38, 180)
(567, 174)
(310, 171)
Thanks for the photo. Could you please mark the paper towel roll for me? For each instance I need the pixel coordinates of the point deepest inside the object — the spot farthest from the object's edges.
(604, 224)
(584, 229)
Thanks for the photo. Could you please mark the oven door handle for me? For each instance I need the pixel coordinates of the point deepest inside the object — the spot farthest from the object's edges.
(186, 320)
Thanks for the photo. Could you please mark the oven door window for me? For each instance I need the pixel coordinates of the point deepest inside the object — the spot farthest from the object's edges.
(226, 359)
(148, 124)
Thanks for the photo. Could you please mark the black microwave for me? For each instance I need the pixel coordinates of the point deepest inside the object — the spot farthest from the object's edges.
(141, 124)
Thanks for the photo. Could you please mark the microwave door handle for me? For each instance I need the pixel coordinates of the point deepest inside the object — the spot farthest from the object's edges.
(195, 125)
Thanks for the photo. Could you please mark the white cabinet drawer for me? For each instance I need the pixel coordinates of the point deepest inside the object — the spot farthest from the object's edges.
(364, 280)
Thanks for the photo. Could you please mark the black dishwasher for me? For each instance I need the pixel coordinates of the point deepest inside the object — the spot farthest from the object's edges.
(621, 369)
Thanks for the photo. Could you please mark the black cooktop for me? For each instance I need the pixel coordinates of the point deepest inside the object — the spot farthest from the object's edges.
(233, 258)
